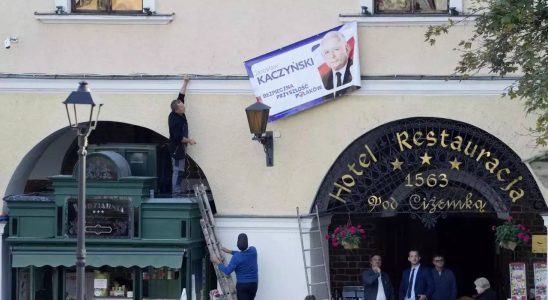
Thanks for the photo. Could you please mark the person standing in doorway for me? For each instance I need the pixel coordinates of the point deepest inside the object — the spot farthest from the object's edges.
(244, 262)
(416, 282)
(377, 285)
(483, 287)
(445, 285)
(178, 140)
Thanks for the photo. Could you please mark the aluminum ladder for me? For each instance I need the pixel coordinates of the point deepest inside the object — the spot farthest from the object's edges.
(207, 222)
(308, 266)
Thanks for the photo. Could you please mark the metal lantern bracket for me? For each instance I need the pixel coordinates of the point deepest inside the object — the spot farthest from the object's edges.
(267, 139)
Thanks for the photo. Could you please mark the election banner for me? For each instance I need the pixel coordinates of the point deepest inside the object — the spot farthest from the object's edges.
(307, 73)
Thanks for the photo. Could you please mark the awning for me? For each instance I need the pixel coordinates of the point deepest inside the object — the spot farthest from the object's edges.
(127, 258)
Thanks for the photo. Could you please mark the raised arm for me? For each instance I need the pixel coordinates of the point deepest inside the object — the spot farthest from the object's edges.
(184, 86)
(369, 277)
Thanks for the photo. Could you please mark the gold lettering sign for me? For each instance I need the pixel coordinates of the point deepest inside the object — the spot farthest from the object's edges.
(539, 243)
(406, 140)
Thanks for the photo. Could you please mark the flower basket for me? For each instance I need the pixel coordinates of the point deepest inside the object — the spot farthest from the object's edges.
(508, 245)
(348, 236)
(509, 235)
(350, 246)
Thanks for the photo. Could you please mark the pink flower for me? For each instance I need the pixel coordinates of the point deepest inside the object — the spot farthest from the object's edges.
(338, 229)
(521, 227)
(343, 234)
(509, 218)
(352, 230)
(334, 243)
(520, 236)
(327, 236)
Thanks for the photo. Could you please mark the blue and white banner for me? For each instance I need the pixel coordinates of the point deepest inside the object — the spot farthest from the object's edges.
(307, 73)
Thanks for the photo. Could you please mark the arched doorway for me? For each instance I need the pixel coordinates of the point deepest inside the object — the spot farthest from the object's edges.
(142, 155)
(57, 154)
(435, 185)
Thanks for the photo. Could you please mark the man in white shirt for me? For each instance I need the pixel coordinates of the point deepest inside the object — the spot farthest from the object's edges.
(377, 285)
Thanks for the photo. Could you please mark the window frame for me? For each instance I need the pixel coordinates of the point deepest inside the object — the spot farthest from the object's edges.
(372, 8)
(66, 7)
(109, 9)
(412, 11)
(62, 14)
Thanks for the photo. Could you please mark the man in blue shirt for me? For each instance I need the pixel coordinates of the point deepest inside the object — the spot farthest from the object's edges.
(445, 285)
(244, 262)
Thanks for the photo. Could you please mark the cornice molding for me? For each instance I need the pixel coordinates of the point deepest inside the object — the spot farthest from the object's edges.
(243, 87)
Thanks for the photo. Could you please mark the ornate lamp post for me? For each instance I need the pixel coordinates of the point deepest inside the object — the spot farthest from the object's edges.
(78, 102)
(257, 117)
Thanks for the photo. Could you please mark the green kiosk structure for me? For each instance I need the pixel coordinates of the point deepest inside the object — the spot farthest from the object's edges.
(138, 246)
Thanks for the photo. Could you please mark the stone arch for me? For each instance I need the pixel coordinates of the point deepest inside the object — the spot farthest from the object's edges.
(57, 154)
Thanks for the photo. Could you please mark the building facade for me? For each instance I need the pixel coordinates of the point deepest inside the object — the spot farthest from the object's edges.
(408, 118)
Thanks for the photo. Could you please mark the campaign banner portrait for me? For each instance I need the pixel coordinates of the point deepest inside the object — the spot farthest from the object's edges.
(307, 73)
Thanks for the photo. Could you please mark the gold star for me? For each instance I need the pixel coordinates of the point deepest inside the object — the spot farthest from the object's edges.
(426, 159)
(396, 164)
(455, 164)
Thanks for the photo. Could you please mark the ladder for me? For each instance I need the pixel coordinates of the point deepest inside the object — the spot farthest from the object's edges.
(207, 222)
(308, 266)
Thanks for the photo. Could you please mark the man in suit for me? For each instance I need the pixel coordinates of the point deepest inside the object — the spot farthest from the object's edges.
(377, 285)
(335, 50)
(416, 282)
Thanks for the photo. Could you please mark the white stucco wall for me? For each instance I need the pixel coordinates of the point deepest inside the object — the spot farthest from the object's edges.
(281, 267)
(210, 37)
(306, 144)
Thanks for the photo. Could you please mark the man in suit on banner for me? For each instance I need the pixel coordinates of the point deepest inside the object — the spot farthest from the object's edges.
(335, 52)
(416, 281)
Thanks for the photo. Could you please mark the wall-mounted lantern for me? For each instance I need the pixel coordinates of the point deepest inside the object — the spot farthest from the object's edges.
(257, 117)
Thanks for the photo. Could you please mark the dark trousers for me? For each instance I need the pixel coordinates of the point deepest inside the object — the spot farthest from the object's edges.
(178, 166)
(246, 291)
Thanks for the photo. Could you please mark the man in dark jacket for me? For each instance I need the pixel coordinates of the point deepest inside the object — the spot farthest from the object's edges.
(178, 140)
(377, 285)
(445, 285)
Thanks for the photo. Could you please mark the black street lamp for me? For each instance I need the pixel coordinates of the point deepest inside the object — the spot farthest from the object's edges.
(79, 102)
(257, 117)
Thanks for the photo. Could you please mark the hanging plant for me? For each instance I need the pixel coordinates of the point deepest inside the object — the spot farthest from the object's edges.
(348, 236)
(509, 235)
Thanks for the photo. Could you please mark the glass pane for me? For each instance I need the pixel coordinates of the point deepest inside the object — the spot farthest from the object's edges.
(102, 282)
(431, 5)
(23, 288)
(127, 5)
(161, 283)
(394, 5)
(70, 285)
(91, 5)
(43, 283)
